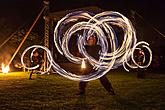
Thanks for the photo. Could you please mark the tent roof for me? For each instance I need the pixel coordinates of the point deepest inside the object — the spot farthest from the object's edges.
(56, 16)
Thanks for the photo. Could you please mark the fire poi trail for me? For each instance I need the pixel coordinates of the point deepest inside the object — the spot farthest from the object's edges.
(102, 27)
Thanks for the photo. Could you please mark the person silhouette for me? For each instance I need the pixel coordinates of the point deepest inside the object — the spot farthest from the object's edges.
(36, 60)
(93, 50)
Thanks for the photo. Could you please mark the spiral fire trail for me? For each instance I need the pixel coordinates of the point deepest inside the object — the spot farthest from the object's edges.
(102, 27)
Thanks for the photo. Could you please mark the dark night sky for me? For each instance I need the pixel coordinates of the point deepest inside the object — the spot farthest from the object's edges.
(151, 10)
(16, 12)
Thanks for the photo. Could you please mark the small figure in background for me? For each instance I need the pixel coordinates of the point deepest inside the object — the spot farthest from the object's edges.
(140, 61)
(36, 60)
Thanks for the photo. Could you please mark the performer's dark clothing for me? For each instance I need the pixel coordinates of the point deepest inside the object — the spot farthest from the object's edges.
(94, 52)
(139, 60)
(36, 60)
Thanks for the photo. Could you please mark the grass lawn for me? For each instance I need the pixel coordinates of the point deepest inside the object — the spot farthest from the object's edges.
(53, 92)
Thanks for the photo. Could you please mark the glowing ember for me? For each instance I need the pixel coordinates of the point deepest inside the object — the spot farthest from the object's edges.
(83, 66)
(5, 69)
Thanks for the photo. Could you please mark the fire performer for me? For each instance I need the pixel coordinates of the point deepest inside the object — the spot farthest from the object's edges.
(93, 50)
(36, 60)
(140, 57)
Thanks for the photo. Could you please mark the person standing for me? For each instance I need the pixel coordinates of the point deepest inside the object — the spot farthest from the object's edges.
(36, 60)
(140, 58)
(93, 50)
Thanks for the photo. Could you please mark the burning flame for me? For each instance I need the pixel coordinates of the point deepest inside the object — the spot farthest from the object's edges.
(5, 69)
(83, 66)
